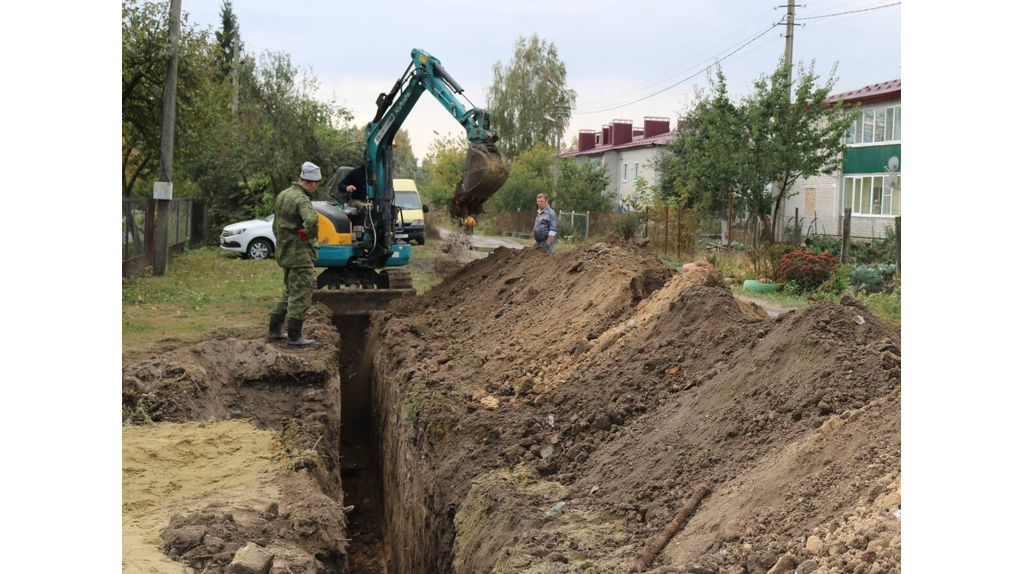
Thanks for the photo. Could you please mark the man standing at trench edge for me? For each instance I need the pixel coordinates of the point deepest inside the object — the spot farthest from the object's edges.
(545, 227)
(296, 228)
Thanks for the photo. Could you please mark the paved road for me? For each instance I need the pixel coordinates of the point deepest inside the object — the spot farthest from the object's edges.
(485, 241)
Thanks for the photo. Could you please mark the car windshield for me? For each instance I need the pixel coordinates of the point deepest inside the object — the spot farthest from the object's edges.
(269, 218)
(407, 199)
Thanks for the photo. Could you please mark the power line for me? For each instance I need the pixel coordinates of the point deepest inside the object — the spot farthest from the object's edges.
(850, 12)
(705, 69)
(659, 78)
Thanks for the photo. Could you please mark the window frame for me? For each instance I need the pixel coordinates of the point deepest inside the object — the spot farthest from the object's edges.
(636, 170)
(625, 171)
(864, 182)
(856, 138)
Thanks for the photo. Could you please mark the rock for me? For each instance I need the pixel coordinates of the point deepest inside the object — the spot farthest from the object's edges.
(594, 489)
(602, 422)
(251, 559)
(271, 512)
(807, 566)
(815, 545)
(878, 545)
(558, 557)
(489, 402)
(557, 509)
(832, 425)
(785, 563)
(836, 549)
(183, 538)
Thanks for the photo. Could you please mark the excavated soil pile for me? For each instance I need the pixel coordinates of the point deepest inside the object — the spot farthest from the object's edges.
(255, 478)
(552, 413)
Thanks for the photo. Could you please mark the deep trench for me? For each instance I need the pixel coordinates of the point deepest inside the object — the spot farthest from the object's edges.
(360, 458)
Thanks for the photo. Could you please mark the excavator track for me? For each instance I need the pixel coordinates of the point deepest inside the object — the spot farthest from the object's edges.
(399, 278)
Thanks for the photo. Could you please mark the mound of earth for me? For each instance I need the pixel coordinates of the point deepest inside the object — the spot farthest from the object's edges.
(242, 464)
(552, 413)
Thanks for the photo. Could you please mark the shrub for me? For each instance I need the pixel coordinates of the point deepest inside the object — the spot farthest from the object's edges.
(885, 305)
(767, 260)
(807, 268)
(627, 225)
(837, 281)
(824, 244)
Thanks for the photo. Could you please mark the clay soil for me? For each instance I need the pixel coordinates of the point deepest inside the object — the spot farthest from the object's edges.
(600, 379)
(531, 413)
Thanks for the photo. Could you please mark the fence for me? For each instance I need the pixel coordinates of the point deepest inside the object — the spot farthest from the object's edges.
(572, 225)
(186, 223)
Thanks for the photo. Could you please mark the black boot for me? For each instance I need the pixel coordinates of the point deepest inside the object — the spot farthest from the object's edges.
(295, 338)
(276, 329)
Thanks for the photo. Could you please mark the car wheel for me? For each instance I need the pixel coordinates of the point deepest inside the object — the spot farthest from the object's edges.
(259, 249)
(421, 240)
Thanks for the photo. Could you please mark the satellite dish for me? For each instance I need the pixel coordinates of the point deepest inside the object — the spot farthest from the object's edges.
(894, 163)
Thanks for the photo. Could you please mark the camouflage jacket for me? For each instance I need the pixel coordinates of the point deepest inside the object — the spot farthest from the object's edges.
(293, 211)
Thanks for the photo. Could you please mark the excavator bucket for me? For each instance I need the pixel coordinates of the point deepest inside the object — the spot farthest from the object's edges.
(486, 171)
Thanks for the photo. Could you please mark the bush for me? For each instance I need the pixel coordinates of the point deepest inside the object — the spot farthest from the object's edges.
(807, 268)
(627, 225)
(825, 244)
(885, 305)
(837, 282)
(767, 260)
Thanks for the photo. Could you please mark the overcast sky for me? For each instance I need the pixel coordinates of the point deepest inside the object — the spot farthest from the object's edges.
(614, 51)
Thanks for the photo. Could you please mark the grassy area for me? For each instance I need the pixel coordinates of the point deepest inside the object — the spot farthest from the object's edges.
(886, 306)
(210, 292)
(784, 298)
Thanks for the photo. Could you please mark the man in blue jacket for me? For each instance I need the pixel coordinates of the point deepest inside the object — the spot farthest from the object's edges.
(545, 227)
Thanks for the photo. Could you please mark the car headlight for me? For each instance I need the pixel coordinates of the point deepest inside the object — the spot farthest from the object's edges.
(416, 222)
(230, 232)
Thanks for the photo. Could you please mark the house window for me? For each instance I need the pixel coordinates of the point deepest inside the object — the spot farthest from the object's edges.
(625, 170)
(875, 126)
(871, 195)
(636, 171)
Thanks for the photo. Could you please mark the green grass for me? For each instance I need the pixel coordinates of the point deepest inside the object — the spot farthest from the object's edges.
(886, 306)
(780, 297)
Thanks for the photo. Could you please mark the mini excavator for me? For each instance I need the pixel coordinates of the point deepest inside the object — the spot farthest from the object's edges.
(358, 251)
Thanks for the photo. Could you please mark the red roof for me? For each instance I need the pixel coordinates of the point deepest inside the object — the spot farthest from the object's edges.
(638, 141)
(884, 91)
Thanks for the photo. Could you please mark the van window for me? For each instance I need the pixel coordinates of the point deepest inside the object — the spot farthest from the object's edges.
(407, 199)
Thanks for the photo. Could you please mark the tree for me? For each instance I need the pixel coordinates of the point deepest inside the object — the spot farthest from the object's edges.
(582, 187)
(804, 137)
(226, 38)
(531, 86)
(403, 162)
(529, 174)
(443, 167)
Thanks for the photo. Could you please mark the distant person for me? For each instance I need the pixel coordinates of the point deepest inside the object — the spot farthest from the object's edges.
(353, 187)
(545, 227)
(296, 227)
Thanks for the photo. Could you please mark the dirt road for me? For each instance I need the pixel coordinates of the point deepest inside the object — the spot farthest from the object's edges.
(485, 241)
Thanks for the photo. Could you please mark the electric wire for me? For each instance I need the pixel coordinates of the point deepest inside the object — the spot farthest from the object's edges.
(850, 12)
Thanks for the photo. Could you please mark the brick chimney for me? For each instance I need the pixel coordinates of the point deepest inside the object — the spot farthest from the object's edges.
(588, 140)
(622, 132)
(655, 126)
(606, 134)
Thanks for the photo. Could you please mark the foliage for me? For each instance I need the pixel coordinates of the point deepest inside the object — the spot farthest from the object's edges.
(838, 281)
(532, 85)
(805, 136)
(876, 251)
(807, 268)
(529, 174)
(825, 244)
(403, 162)
(627, 225)
(864, 278)
(642, 198)
(443, 167)
(226, 38)
(137, 416)
(582, 187)
(767, 260)
(885, 305)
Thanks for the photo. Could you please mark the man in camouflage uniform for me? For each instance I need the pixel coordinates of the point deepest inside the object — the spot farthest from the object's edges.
(296, 227)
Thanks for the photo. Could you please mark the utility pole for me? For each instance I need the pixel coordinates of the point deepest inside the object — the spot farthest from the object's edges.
(790, 14)
(234, 72)
(163, 189)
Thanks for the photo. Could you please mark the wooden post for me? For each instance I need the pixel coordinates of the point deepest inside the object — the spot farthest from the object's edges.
(728, 237)
(679, 234)
(796, 224)
(586, 232)
(666, 230)
(898, 258)
(846, 235)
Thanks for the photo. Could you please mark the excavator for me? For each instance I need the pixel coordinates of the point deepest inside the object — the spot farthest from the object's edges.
(358, 250)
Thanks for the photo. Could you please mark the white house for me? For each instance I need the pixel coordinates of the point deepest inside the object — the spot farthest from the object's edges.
(626, 152)
(864, 181)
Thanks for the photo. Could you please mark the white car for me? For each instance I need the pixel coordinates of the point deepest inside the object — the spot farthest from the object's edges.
(254, 239)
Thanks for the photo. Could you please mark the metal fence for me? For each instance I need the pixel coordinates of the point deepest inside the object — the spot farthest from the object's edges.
(186, 221)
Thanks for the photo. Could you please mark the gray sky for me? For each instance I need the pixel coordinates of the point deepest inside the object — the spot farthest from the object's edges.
(614, 52)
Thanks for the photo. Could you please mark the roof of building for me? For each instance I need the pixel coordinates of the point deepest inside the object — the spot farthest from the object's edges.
(638, 141)
(874, 92)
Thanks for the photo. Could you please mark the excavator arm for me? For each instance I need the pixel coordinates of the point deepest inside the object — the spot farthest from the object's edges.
(486, 171)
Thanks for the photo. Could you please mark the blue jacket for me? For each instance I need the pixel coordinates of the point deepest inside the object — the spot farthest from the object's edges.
(545, 225)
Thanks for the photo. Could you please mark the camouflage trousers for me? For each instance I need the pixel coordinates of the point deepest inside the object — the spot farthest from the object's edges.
(298, 293)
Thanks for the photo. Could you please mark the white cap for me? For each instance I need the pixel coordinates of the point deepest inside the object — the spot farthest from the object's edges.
(310, 172)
